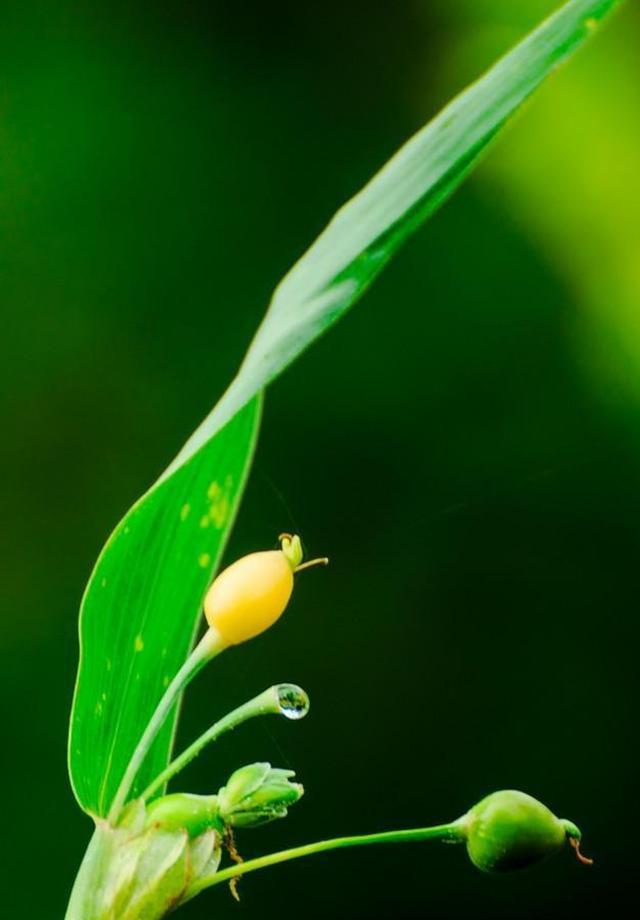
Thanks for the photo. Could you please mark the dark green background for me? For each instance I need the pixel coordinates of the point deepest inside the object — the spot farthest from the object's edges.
(464, 445)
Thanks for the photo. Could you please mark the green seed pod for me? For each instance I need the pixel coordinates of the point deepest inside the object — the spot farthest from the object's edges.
(183, 811)
(511, 830)
(257, 794)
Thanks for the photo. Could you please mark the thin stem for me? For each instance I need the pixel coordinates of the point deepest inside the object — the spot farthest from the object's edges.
(451, 833)
(209, 646)
(323, 560)
(263, 704)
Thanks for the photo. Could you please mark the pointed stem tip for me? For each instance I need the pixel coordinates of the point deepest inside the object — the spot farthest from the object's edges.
(575, 843)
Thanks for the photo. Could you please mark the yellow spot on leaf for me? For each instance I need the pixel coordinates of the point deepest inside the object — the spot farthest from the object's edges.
(103, 583)
(591, 23)
(219, 504)
(219, 511)
(138, 644)
(184, 512)
(98, 709)
(165, 681)
(204, 559)
(108, 664)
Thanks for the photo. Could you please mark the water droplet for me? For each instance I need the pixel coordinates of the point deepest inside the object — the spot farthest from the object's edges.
(294, 702)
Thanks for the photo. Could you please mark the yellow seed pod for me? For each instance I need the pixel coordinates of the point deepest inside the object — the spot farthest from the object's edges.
(252, 593)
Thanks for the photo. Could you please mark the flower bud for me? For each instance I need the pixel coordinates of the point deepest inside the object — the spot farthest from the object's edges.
(251, 594)
(511, 830)
(183, 811)
(257, 794)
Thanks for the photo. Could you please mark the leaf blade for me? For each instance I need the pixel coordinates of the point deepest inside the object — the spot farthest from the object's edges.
(323, 284)
(367, 231)
(141, 605)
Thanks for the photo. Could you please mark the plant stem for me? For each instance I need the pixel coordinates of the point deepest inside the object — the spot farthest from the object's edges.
(265, 703)
(89, 880)
(450, 833)
(209, 646)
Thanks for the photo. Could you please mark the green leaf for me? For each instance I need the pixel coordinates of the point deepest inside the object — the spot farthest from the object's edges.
(144, 597)
(368, 230)
(141, 605)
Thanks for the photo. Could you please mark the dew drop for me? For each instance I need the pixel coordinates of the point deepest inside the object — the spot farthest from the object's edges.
(294, 702)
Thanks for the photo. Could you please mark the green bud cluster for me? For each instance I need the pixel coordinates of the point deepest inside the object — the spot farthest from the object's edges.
(257, 794)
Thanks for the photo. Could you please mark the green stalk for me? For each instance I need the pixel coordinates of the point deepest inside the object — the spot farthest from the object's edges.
(209, 646)
(450, 833)
(90, 877)
(265, 703)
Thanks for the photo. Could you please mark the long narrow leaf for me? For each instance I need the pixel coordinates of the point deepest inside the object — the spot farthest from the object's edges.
(367, 231)
(141, 604)
(144, 596)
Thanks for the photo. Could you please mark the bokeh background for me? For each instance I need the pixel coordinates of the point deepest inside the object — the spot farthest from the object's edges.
(465, 444)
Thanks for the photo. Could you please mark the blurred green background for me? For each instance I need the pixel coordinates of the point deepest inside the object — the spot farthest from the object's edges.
(465, 445)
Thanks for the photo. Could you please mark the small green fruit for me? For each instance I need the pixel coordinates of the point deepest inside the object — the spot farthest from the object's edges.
(183, 811)
(511, 830)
